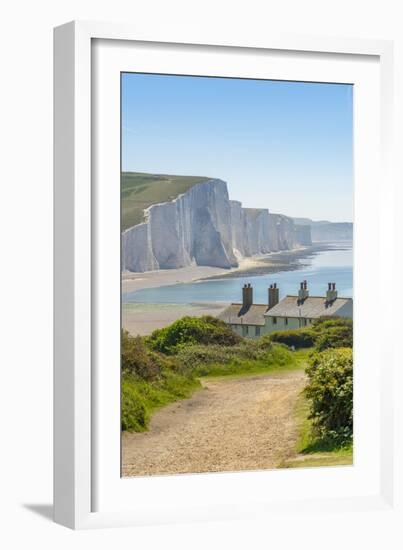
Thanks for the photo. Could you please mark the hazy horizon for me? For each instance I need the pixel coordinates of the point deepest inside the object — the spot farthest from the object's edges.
(285, 146)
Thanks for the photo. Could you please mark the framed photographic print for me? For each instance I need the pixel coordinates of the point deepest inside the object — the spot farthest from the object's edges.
(220, 232)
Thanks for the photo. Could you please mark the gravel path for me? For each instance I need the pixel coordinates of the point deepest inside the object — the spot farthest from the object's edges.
(231, 424)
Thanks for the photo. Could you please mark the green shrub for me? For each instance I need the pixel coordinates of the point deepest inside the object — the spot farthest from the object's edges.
(134, 414)
(248, 356)
(330, 391)
(322, 323)
(198, 355)
(191, 331)
(299, 338)
(141, 397)
(325, 333)
(339, 336)
(139, 360)
(149, 380)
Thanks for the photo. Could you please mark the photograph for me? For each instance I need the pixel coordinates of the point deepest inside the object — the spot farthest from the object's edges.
(211, 220)
(236, 274)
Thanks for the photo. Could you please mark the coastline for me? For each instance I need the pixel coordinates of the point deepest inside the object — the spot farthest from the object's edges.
(143, 318)
(164, 277)
(255, 265)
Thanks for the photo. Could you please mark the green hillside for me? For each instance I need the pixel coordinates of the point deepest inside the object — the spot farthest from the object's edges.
(140, 190)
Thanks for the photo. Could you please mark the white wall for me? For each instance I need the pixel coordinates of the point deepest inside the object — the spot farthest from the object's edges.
(281, 324)
(240, 329)
(26, 254)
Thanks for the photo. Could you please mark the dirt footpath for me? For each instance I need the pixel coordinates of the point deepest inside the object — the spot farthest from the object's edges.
(231, 424)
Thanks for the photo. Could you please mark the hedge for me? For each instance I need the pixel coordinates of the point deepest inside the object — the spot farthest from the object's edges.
(330, 391)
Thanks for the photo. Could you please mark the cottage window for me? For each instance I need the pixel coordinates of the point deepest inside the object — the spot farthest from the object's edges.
(286, 321)
(274, 320)
(257, 333)
(245, 330)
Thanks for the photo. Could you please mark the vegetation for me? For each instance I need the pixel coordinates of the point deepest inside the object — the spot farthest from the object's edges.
(324, 412)
(298, 338)
(149, 380)
(333, 333)
(165, 366)
(325, 333)
(139, 360)
(248, 357)
(192, 330)
(330, 391)
(140, 398)
(140, 190)
(312, 451)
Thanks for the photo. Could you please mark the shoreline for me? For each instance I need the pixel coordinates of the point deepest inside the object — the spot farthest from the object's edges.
(165, 277)
(285, 260)
(143, 318)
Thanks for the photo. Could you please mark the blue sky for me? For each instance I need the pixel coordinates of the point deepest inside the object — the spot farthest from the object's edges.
(286, 146)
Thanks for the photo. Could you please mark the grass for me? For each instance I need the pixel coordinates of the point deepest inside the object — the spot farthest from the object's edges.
(311, 452)
(141, 398)
(275, 361)
(336, 458)
(141, 190)
(169, 366)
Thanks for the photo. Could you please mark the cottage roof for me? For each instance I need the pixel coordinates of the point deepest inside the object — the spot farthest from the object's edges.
(310, 308)
(237, 314)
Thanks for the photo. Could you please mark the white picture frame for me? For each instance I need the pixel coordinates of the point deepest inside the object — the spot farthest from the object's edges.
(88, 491)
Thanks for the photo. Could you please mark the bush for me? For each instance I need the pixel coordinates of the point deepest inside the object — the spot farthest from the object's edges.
(248, 356)
(134, 414)
(140, 397)
(333, 332)
(325, 333)
(137, 359)
(196, 356)
(330, 390)
(326, 322)
(191, 331)
(299, 338)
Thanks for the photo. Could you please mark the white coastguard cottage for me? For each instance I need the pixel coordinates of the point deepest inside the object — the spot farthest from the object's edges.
(252, 320)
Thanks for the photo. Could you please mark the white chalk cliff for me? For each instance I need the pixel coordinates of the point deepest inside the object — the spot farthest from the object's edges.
(203, 227)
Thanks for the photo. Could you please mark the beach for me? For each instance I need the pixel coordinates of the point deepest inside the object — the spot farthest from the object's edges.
(163, 277)
(143, 318)
(265, 263)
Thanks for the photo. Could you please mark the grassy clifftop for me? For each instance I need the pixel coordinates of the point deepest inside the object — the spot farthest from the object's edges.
(140, 190)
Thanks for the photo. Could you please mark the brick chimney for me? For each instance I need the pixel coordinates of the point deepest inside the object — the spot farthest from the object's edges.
(331, 293)
(247, 295)
(273, 295)
(303, 292)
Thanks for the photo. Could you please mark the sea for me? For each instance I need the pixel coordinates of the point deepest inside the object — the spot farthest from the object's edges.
(335, 264)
